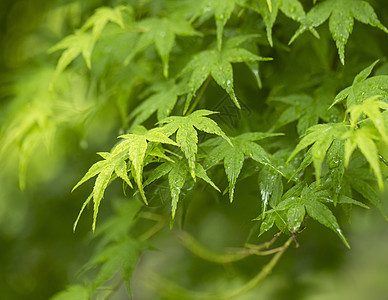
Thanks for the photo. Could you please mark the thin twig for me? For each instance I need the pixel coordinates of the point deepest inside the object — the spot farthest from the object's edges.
(170, 289)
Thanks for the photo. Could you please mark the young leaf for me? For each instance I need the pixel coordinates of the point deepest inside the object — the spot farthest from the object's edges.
(136, 145)
(269, 10)
(367, 191)
(295, 217)
(218, 65)
(121, 255)
(306, 110)
(234, 156)
(78, 43)
(162, 33)
(364, 88)
(363, 139)
(75, 292)
(102, 16)
(186, 132)
(336, 163)
(342, 14)
(176, 172)
(82, 42)
(371, 108)
(321, 136)
(222, 11)
(161, 102)
(133, 147)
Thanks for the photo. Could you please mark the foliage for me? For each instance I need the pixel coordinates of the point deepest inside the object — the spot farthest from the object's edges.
(303, 140)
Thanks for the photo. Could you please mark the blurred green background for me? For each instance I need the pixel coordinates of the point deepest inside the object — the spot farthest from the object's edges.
(39, 253)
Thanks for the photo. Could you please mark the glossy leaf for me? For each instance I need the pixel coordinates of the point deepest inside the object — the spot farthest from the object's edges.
(234, 155)
(364, 88)
(321, 136)
(222, 11)
(341, 15)
(162, 33)
(186, 132)
(218, 64)
(269, 10)
(133, 148)
(176, 172)
(82, 42)
(306, 110)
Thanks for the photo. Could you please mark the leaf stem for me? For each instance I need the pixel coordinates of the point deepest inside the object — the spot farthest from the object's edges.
(200, 94)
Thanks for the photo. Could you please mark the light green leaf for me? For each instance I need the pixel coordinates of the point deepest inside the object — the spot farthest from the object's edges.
(323, 215)
(133, 147)
(121, 255)
(218, 65)
(371, 108)
(295, 217)
(336, 163)
(222, 11)
(161, 102)
(186, 132)
(347, 200)
(321, 136)
(162, 33)
(306, 110)
(367, 191)
(78, 43)
(362, 139)
(176, 180)
(82, 42)
(311, 199)
(341, 15)
(176, 172)
(102, 16)
(74, 292)
(267, 223)
(269, 10)
(271, 187)
(234, 156)
(364, 88)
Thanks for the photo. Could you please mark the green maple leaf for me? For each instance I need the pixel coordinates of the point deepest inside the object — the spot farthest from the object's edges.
(78, 43)
(370, 108)
(132, 147)
(360, 182)
(269, 10)
(162, 102)
(363, 138)
(336, 163)
(320, 137)
(341, 15)
(298, 201)
(186, 132)
(218, 65)
(102, 16)
(121, 255)
(75, 292)
(271, 187)
(306, 110)
(311, 200)
(222, 11)
(234, 155)
(363, 133)
(176, 172)
(162, 33)
(364, 88)
(82, 42)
